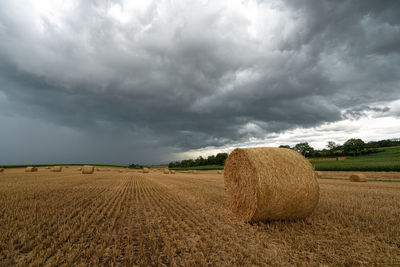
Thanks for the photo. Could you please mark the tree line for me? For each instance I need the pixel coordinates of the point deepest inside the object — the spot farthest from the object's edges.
(352, 147)
(218, 159)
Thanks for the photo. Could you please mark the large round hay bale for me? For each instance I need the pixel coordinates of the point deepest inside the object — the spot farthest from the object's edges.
(48, 168)
(1, 169)
(120, 170)
(79, 169)
(194, 172)
(145, 170)
(166, 171)
(30, 169)
(219, 172)
(319, 174)
(56, 169)
(359, 177)
(87, 169)
(270, 184)
(172, 172)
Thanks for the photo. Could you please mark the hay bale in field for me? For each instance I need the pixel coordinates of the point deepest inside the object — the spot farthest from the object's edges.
(87, 169)
(358, 177)
(270, 184)
(56, 169)
(98, 169)
(219, 172)
(194, 172)
(31, 169)
(79, 169)
(145, 170)
(172, 172)
(48, 168)
(166, 171)
(319, 174)
(120, 170)
(1, 169)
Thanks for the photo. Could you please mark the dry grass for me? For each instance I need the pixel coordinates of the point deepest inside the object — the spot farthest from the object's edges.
(270, 184)
(109, 219)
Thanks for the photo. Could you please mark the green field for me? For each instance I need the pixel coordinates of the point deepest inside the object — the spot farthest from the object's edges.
(387, 159)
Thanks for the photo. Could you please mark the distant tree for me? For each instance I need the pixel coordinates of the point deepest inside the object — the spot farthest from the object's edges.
(304, 148)
(220, 158)
(353, 146)
(284, 146)
(331, 145)
(135, 166)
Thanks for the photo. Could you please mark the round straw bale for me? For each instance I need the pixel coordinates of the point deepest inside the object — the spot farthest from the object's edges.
(319, 174)
(87, 169)
(31, 169)
(270, 184)
(79, 169)
(56, 169)
(48, 167)
(166, 171)
(219, 172)
(120, 170)
(358, 177)
(145, 170)
(172, 172)
(194, 172)
(1, 169)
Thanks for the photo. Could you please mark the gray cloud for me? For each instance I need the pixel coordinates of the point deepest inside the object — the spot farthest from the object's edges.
(177, 76)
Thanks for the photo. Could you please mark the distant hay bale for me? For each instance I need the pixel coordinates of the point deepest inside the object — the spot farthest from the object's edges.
(194, 172)
(108, 169)
(120, 170)
(87, 169)
(359, 177)
(145, 170)
(79, 169)
(56, 169)
(67, 167)
(31, 169)
(219, 172)
(270, 184)
(319, 174)
(1, 169)
(172, 172)
(48, 167)
(166, 171)
(98, 169)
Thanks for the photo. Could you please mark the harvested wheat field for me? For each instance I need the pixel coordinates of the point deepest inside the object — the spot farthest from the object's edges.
(111, 218)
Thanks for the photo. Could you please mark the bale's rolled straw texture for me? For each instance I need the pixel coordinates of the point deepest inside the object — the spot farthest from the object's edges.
(87, 169)
(358, 177)
(56, 169)
(166, 171)
(145, 170)
(270, 184)
(31, 169)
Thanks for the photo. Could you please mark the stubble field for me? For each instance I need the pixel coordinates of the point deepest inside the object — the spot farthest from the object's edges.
(110, 218)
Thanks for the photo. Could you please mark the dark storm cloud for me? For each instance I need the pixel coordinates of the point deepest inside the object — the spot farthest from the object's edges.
(181, 76)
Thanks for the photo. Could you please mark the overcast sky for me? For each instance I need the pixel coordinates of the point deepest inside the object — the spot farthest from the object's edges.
(153, 81)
